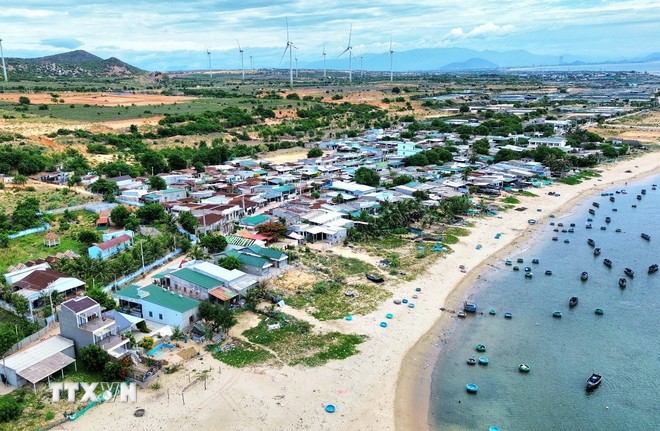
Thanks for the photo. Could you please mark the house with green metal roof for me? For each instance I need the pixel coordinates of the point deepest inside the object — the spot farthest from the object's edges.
(158, 304)
(252, 222)
(278, 258)
(190, 282)
(249, 263)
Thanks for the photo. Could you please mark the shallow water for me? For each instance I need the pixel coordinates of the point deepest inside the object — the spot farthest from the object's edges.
(622, 344)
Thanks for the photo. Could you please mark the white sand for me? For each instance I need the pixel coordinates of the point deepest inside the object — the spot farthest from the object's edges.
(362, 387)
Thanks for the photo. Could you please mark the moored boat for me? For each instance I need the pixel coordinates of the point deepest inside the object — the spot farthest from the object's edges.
(555, 238)
(469, 308)
(622, 283)
(593, 381)
(643, 191)
(528, 269)
(548, 272)
(592, 211)
(608, 219)
(529, 274)
(596, 204)
(653, 268)
(603, 228)
(588, 226)
(591, 242)
(639, 197)
(461, 314)
(599, 311)
(584, 276)
(629, 272)
(483, 360)
(520, 260)
(374, 278)
(516, 268)
(471, 388)
(618, 230)
(471, 361)
(508, 263)
(634, 206)
(508, 315)
(590, 219)
(596, 251)
(607, 262)
(556, 314)
(573, 301)
(646, 236)
(523, 368)
(567, 240)
(480, 347)
(535, 261)
(611, 198)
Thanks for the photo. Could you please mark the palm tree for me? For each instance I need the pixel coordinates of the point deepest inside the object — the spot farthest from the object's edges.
(197, 252)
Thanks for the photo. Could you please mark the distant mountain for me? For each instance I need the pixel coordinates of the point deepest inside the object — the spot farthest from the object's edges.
(471, 64)
(74, 64)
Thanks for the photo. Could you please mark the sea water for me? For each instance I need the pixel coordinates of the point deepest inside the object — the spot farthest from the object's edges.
(622, 344)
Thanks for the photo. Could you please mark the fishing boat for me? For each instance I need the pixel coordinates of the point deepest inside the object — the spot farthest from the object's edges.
(572, 224)
(634, 206)
(528, 269)
(623, 192)
(555, 238)
(529, 274)
(629, 272)
(614, 209)
(483, 360)
(596, 251)
(480, 348)
(643, 191)
(560, 224)
(535, 261)
(653, 268)
(622, 283)
(374, 278)
(596, 204)
(607, 263)
(548, 272)
(471, 361)
(471, 388)
(508, 263)
(566, 241)
(588, 226)
(639, 197)
(646, 236)
(591, 242)
(516, 268)
(461, 314)
(523, 368)
(603, 228)
(590, 219)
(571, 230)
(608, 219)
(552, 223)
(618, 230)
(492, 312)
(599, 311)
(584, 276)
(520, 260)
(593, 381)
(508, 315)
(556, 314)
(573, 301)
(611, 198)
(592, 211)
(469, 308)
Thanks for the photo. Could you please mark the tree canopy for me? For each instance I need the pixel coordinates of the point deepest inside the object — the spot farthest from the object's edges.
(367, 177)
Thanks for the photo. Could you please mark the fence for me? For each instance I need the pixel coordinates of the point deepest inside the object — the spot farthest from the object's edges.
(7, 306)
(130, 277)
(27, 340)
(45, 226)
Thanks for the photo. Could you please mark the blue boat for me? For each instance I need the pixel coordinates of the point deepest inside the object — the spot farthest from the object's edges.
(469, 308)
(483, 360)
(472, 388)
(480, 348)
(508, 315)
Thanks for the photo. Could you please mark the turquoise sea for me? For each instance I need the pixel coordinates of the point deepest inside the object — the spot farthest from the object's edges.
(622, 344)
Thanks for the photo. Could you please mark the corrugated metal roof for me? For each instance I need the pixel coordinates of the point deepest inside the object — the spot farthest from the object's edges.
(46, 367)
(197, 278)
(156, 295)
(34, 354)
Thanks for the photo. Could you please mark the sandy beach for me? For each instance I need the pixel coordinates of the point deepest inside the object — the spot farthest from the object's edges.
(384, 387)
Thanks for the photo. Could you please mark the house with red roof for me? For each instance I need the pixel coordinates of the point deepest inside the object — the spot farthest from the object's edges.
(111, 247)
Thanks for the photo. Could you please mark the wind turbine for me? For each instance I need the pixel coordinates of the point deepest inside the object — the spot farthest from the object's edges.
(251, 65)
(349, 48)
(289, 46)
(242, 69)
(361, 69)
(208, 53)
(296, 60)
(324, 69)
(391, 61)
(4, 66)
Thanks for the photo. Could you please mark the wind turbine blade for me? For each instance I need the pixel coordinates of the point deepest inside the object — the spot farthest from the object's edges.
(390, 43)
(284, 53)
(350, 32)
(343, 52)
(239, 45)
(287, 29)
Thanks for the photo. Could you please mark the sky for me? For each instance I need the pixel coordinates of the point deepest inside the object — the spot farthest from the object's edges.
(174, 34)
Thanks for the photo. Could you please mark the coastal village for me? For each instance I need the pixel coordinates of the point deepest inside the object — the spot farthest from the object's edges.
(291, 232)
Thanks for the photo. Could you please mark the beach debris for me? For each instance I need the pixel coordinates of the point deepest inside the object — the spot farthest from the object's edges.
(139, 413)
(383, 324)
(330, 408)
(389, 315)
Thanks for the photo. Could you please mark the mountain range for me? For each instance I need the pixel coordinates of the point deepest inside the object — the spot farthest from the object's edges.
(73, 64)
(82, 64)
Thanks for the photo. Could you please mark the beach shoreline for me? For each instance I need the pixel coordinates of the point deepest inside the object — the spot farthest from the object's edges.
(413, 389)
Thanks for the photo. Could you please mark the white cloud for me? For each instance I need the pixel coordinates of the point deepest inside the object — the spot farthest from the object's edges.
(27, 13)
(484, 31)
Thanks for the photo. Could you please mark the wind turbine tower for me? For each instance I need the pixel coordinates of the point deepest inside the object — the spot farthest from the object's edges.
(289, 47)
(296, 60)
(349, 49)
(251, 65)
(208, 54)
(242, 68)
(324, 69)
(4, 66)
(391, 61)
(361, 69)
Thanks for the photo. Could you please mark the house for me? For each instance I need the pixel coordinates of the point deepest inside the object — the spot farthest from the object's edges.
(278, 258)
(36, 285)
(407, 149)
(250, 264)
(199, 279)
(81, 321)
(253, 221)
(172, 194)
(109, 248)
(158, 304)
(37, 362)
